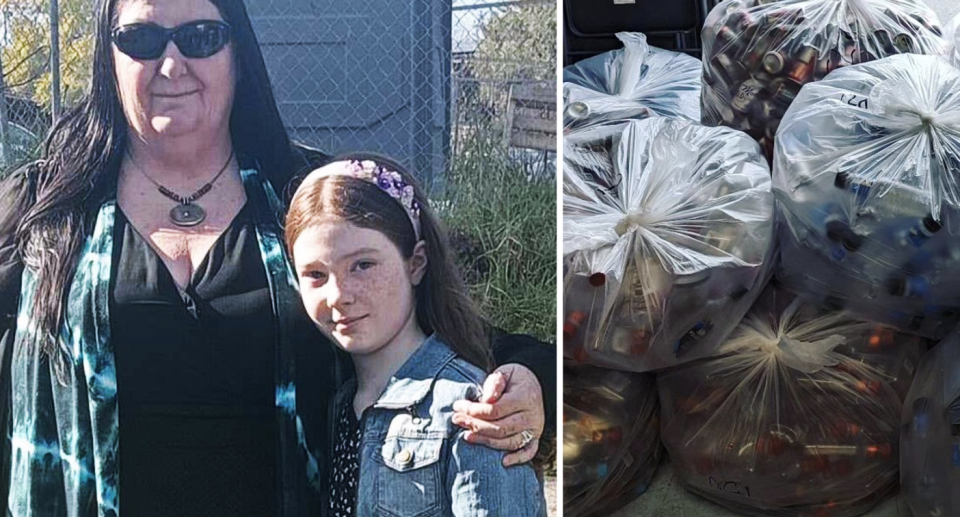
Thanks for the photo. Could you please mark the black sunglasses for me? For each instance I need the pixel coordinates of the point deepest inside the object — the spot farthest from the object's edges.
(196, 39)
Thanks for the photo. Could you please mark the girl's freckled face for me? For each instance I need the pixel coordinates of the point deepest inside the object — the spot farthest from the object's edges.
(354, 283)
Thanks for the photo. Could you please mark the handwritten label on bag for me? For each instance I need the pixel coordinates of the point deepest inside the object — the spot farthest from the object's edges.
(747, 92)
(855, 100)
(730, 487)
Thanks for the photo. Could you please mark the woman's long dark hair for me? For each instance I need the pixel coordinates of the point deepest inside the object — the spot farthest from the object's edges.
(82, 154)
(443, 303)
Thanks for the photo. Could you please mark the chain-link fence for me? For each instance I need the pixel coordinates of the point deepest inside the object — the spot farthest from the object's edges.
(504, 54)
(422, 80)
(28, 79)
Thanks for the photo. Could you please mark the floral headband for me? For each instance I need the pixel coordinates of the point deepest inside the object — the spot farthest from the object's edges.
(388, 180)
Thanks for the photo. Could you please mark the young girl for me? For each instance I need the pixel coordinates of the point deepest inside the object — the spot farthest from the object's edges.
(375, 272)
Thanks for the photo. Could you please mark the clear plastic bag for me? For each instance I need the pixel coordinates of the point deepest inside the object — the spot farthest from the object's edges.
(930, 434)
(664, 247)
(611, 438)
(635, 82)
(865, 175)
(758, 54)
(800, 416)
(953, 41)
(590, 153)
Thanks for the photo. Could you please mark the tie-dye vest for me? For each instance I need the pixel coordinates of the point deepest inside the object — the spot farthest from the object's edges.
(64, 432)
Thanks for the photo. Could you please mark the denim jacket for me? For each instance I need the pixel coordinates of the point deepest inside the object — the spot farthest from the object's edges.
(413, 458)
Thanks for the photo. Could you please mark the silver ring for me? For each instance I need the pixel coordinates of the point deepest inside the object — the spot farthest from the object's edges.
(526, 437)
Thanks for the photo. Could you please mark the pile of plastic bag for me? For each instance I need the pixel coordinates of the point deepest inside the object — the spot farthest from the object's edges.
(666, 246)
(635, 82)
(611, 438)
(800, 416)
(930, 435)
(758, 54)
(865, 175)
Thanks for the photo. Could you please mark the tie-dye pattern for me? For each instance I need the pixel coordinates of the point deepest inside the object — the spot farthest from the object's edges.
(294, 449)
(64, 428)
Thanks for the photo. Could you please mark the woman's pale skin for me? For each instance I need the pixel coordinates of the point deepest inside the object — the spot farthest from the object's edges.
(178, 113)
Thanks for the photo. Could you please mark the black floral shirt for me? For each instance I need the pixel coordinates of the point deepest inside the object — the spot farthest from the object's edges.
(346, 464)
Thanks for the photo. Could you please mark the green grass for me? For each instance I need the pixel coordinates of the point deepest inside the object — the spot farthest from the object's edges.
(504, 227)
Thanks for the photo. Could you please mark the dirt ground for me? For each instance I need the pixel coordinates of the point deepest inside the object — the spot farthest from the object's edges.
(551, 489)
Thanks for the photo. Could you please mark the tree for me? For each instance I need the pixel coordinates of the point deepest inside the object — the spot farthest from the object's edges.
(520, 44)
(517, 45)
(26, 49)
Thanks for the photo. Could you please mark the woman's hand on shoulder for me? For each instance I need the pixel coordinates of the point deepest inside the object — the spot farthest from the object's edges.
(509, 415)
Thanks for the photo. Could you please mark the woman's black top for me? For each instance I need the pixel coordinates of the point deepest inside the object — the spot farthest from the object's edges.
(195, 370)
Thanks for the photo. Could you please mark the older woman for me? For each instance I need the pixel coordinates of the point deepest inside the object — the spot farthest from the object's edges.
(159, 350)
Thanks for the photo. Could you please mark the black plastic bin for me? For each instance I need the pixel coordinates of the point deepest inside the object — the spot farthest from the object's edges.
(590, 26)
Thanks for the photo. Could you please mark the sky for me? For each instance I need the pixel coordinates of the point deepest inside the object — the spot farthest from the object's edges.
(467, 24)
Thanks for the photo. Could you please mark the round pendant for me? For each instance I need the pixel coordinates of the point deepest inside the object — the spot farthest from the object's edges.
(187, 215)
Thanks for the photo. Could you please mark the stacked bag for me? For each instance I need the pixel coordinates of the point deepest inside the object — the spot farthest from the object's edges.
(868, 192)
(798, 415)
(635, 82)
(668, 235)
(660, 265)
(612, 445)
(930, 441)
(758, 54)
(868, 198)
(611, 437)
